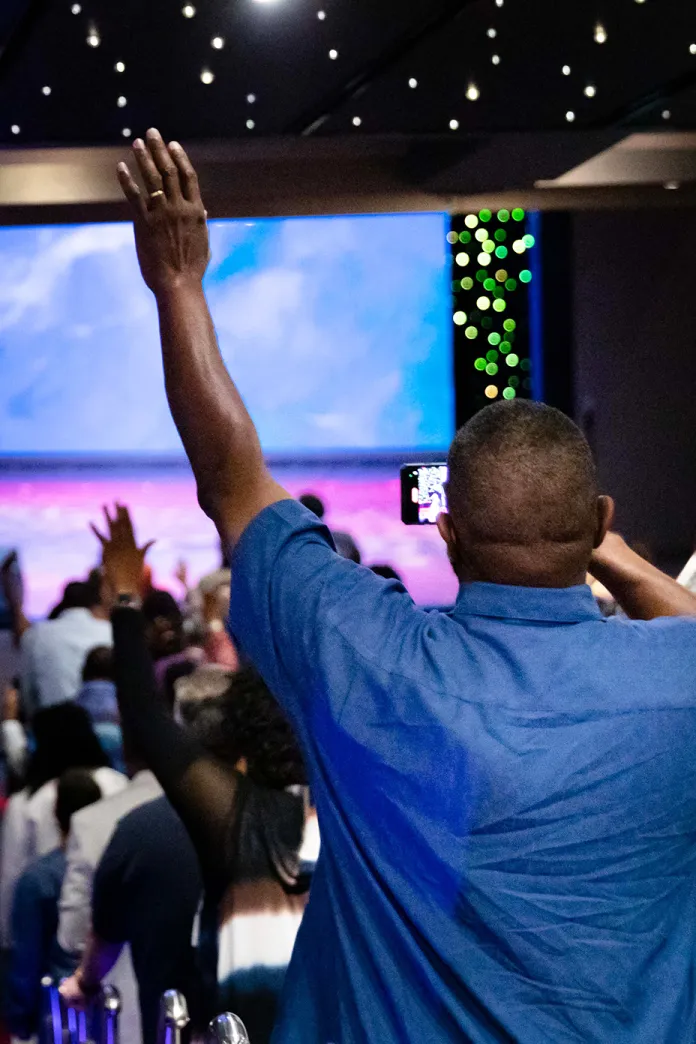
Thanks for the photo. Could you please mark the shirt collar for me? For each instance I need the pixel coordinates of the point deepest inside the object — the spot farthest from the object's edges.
(553, 604)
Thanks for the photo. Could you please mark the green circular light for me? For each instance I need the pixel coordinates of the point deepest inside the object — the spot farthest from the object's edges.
(471, 221)
(459, 318)
(486, 322)
(483, 303)
(509, 393)
(489, 246)
(505, 347)
(499, 305)
(472, 333)
(456, 285)
(514, 382)
(462, 259)
(518, 214)
(485, 214)
(511, 284)
(452, 237)
(518, 246)
(489, 284)
(484, 259)
(494, 339)
(526, 365)
(501, 275)
(512, 359)
(464, 237)
(492, 356)
(480, 364)
(481, 275)
(467, 283)
(509, 325)
(525, 276)
(528, 241)
(499, 292)
(501, 251)
(492, 369)
(481, 235)
(500, 234)
(503, 215)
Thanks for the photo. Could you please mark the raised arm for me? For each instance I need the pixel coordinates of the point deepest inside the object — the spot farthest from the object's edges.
(642, 590)
(218, 434)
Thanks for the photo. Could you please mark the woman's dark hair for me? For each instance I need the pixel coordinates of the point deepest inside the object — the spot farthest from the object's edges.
(77, 788)
(78, 594)
(246, 722)
(64, 740)
(99, 664)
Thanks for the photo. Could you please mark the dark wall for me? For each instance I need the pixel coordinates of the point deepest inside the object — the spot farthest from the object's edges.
(635, 377)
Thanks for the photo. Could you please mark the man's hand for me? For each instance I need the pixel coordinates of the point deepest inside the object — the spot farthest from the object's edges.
(171, 234)
(122, 559)
(11, 581)
(73, 994)
(181, 574)
(640, 588)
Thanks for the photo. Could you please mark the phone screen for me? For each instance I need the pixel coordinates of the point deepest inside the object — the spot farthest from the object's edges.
(423, 495)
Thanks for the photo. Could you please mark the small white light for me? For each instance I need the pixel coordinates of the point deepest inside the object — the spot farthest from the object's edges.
(321, 15)
(122, 101)
(454, 124)
(472, 92)
(217, 43)
(333, 54)
(495, 59)
(672, 186)
(126, 132)
(93, 38)
(46, 91)
(666, 114)
(692, 48)
(120, 67)
(590, 91)
(600, 33)
(640, 1)
(499, 3)
(491, 34)
(188, 10)
(76, 9)
(15, 128)
(566, 70)
(413, 83)
(250, 124)
(207, 76)
(251, 98)
(356, 121)
(570, 116)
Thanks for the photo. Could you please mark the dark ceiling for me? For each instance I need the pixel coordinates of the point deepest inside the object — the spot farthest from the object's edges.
(402, 67)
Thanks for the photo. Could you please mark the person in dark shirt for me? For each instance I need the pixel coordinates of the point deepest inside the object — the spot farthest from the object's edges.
(35, 912)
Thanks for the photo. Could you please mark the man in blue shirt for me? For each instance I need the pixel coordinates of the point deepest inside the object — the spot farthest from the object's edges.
(507, 794)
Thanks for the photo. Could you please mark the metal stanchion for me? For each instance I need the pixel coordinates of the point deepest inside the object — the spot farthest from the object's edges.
(111, 1010)
(227, 1029)
(173, 1018)
(51, 1025)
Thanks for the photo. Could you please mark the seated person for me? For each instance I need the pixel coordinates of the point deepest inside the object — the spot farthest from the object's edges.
(35, 912)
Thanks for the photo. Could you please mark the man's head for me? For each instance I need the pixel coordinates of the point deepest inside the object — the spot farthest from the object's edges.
(99, 664)
(313, 504)
(164, 624)
(524, 507)
(76, 789)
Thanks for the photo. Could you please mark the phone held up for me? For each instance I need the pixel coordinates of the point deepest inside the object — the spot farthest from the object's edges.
(423, 495)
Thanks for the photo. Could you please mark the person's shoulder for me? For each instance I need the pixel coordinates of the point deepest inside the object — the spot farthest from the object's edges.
(44, 875)
(662, 631)
(149, 818)
(279, 521)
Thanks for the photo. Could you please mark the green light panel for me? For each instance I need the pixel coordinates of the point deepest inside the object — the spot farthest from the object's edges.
(492, 269)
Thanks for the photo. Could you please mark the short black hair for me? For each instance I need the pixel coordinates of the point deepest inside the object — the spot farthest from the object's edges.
(313, 504)
(99, 664)
(77, 788)
(387, 572)
(522, 472)
(63, 739)
(162, 603)
(247, 722)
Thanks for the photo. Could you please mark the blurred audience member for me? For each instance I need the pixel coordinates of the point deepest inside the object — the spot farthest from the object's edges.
(98, 697)
(344, 542)
(64, 739)
(90, 833)
(387, 572)
(35, 912)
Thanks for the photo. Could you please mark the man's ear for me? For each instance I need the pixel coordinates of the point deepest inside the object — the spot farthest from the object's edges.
(447, 532)
(606, 512)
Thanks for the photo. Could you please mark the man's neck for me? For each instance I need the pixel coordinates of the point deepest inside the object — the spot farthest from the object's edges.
(99, 612)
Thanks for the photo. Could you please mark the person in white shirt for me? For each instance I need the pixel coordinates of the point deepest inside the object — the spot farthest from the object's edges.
(64, 739)
(91, 830)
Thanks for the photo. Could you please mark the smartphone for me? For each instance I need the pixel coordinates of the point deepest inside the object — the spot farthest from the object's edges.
(423, 495)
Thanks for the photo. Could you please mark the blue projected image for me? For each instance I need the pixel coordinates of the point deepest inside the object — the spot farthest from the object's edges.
(337, 331)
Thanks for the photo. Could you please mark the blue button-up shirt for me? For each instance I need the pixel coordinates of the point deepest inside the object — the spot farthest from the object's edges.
(507, 799)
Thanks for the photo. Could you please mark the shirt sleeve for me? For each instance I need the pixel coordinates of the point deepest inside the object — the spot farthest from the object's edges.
(110, 905)
(303, 615)
(13, 859)
(75, 897)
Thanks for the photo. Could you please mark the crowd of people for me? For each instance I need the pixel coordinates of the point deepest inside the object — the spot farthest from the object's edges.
(506, 792)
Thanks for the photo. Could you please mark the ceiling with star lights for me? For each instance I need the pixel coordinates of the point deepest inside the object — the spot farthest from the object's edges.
(99, 72)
